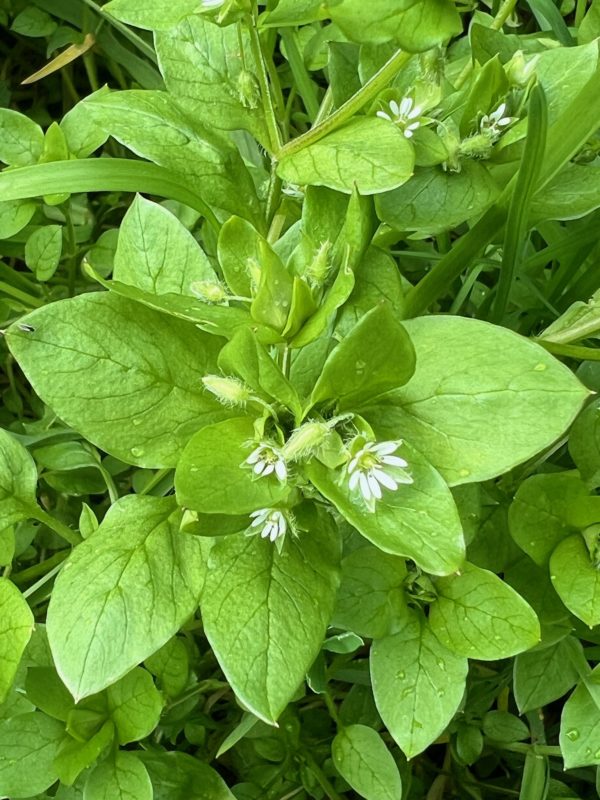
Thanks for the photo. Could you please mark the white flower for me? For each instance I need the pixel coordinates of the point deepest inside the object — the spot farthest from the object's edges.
(273, 522)
(266, 459)
(495, 121)
(374, 466)
(404, 114)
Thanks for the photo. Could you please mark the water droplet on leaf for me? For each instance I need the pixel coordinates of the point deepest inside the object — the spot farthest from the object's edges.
(573, 734)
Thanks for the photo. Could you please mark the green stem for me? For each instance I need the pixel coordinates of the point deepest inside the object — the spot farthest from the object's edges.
(56, 525)
(346, 111)
(504, 12)
(28, 299)
(322, 779)
(265, 89)
(437, 282)
(571, 350)
(155, 480)
(37, 570)
(520, 747)
(42, 581)
(136, 40)
(306, 88)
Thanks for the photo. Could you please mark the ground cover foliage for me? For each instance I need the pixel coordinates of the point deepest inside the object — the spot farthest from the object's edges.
(300, 445)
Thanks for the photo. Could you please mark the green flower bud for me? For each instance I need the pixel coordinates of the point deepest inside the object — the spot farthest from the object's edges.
(248, 89)
(209, 291)
(316, 272)
(477, 146)
(305, 441)
(228, 391)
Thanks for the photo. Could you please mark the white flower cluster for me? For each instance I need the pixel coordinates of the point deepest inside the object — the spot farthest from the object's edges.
(494, 122)
(374, 467)
(266, 460)
(405, 114)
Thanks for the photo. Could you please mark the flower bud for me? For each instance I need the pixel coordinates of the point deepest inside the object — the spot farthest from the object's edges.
(518, 71)
(316, 272)
(477, 146)
(209, 291)
(248, 89)
(305, 441)
(228, 391)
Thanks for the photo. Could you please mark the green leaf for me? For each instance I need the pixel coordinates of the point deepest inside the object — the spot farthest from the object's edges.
(178, 776)
(547, 509)
(157, 254)
(43, 250)
(580, 727)
(362, 758)
(155, 15)
(542, 676)
(21, 139)
(239, 252)
(245, 357)
(415, 25)
(418, 684)
(124, 376)
(124, 777)
(202, 64)
(369, 154)
(418, 521)
(584, 443)
(501, 726)
(48, 693)
(375, 357)
(482, 398)
(28, 745)
(75, 756)
(371, 599)
(80, 131)
(16, 627)
(171, 666)
(573, 193)
(338, 293)
(18, 481)
(108, 609)
(14, 216)
(152, 125)
(211, 476)
(576, 579)
(477, 615)
(217, 320)
(265, 612)
(377, 278)
(273, 299)
(135, 706)
(434, 200)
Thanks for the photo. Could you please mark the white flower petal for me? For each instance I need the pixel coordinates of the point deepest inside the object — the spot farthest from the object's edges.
(374, 486)
(365, 489)
(260, 468)
(269, 468)
(385, 479)
(394, 461)
(281, 470)
(352, 464)
(395, 108)
(408, 134)
(405, 106)
(385, 448)
(354, 479)
(254, 456)
(383, 115)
